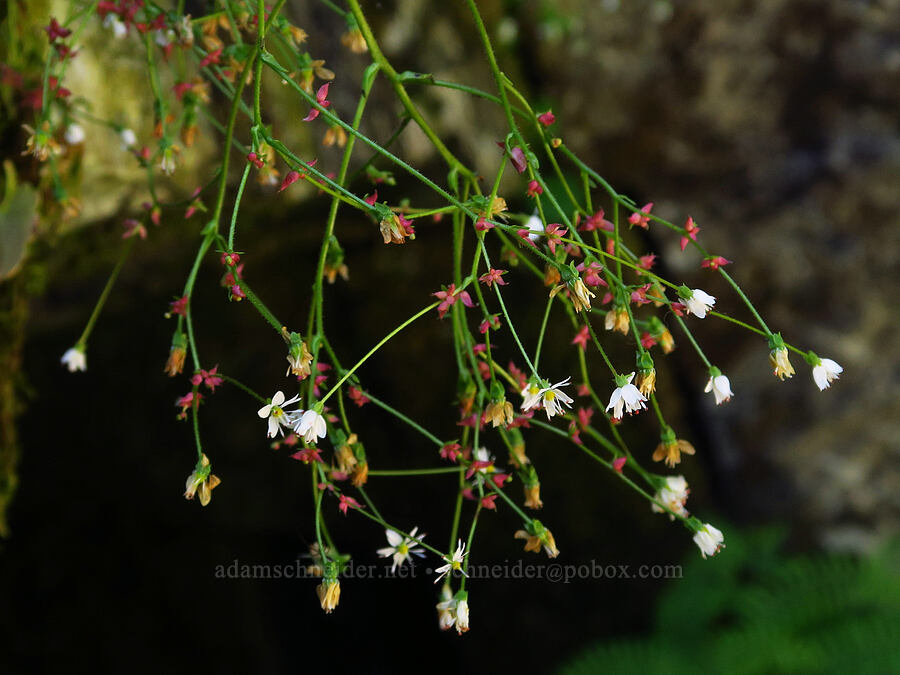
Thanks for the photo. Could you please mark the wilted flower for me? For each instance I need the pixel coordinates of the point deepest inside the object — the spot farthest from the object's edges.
(672, 495)
(453, 611)
(780, 363)
(671, 448)
(201, 482)
(537, 536)
(329, 592)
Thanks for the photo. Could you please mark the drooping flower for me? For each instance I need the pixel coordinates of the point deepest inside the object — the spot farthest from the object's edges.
(500, 413)
(445, 615)
(673, 495)
(617, 320)
(778, 357)
(75, 134)
(401, 547)
(128, 138)
(696, 302)
(719, 385)
(454, 562)
(201, 482)
(537, 536)
(310, 425)
(75, 359)
(671, 448)
(780, 363)
(709, 540)
(580, 295)
(299, 359)
(626, 396)
(329, 592)
(277, 416)
(453, 611)
(824, 373)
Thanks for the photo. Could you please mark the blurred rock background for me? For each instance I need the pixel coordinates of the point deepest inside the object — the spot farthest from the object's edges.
(774, 124)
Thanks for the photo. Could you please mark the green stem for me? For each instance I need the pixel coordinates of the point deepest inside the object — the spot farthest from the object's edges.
(86, 333)
(381, 343)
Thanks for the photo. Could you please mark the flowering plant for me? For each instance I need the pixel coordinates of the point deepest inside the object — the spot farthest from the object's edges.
(584, 268)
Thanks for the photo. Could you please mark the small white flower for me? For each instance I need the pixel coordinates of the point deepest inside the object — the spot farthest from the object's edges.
(721, 387)
(128, 138)
(164, 37)
(454, 610)
(536, 227)
(673, 495)
(825, 373)
(699, 303)
(168, 163)
(709, 540)
(628, 397)
(74, 359)
(401, 547)
(531, 396)
(113, 21)
(311, 425)
(445, 608)
(75, 134)
(462, 616)
(551, 397)
(453, 563)
(276, 414)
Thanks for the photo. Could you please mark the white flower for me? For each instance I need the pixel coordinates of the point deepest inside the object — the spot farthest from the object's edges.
(129, 139)
(673, 495)
(453, 563)
(535, 225)
(74, 134)
(164, 37)
(709, 540)
(721, 387)
(462, 616)
(119, 29)
(825, 372)
(278, 417)
(400, 547)
(310, 425)
(551, 397)
(699, 303)
(74, 359)
(168, 163)
(627, 396)
(454, 611)
(531, 395)
(446, 617)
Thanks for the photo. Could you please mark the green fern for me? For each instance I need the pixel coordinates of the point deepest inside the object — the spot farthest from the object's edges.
(753, 611)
